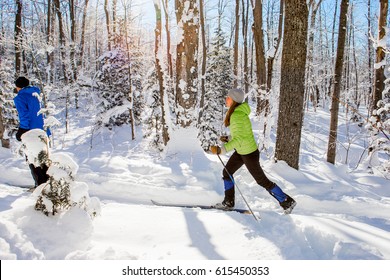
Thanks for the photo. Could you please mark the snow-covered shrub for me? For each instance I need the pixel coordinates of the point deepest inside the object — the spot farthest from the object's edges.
(61, 192)
(379, 127)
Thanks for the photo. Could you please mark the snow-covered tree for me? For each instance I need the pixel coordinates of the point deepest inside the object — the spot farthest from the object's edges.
(61, 192)
(153, 112)
(8, 114)
(219, 79)
(115, 84)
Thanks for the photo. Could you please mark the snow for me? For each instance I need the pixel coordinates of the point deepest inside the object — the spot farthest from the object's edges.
(343, 213)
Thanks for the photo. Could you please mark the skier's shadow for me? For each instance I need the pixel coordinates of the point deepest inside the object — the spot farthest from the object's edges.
(199, 236)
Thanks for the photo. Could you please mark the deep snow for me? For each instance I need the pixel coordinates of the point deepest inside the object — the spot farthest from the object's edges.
(342, 212)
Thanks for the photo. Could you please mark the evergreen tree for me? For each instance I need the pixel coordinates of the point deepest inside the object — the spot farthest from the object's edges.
(114, 86)
(8, 117)
(153, 119)
(219, 79)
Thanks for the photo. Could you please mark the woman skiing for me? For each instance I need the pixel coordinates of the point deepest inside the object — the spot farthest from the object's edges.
(246, 152)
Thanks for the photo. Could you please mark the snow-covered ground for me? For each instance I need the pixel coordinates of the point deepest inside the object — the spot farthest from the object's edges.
(343, 213)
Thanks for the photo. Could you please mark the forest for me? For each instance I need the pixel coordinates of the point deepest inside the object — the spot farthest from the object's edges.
(165, 64)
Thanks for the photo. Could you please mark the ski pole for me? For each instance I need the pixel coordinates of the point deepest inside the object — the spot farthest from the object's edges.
(231, 178)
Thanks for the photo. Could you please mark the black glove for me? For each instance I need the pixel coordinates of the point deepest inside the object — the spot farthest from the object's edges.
(20, 133)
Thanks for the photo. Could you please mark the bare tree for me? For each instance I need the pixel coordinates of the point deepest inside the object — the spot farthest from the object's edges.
(5, 143)
(379, 79)
(369, 48)
(311, 88)
(270, 61)
(49, 39)
(168, 35)
(258, 35)
(204, 58)
(245, 22)
(18, 37)
(130, 96)
(82, 38)
(331, 155)
(236, 37)
(187, 14)
(159, 71)
(62, 39)
(72, 15)
(107, 13)
(292, 84)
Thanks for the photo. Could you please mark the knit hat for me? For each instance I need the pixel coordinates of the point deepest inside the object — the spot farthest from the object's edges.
(236, 94)
(22, 82)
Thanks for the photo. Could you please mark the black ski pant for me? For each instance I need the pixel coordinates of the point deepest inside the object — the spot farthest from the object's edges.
(252, 163)
(39, 174)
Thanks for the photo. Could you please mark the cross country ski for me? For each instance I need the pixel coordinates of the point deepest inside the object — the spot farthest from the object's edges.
(207, 207)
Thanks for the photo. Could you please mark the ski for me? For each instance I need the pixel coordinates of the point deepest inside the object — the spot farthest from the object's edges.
(28, 188)
(207, 207)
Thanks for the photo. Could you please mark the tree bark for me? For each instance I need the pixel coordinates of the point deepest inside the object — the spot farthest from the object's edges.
(159, 71)
(258, 35)
(82, 39)
(245, 20)
(204, 59)
(292, 85)
(107, 13)
(235, 48)
(186, 60)
(379, 80)
(18, 38)
(331, 155)
(62, 40)
(168, 33)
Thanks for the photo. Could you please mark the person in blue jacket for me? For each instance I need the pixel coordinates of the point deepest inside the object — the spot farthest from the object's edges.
(28, 105)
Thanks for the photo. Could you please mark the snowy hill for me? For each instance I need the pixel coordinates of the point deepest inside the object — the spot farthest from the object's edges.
(343, 213)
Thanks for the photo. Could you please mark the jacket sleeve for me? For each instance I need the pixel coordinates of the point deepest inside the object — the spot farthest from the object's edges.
(22, 108)
(235, 127)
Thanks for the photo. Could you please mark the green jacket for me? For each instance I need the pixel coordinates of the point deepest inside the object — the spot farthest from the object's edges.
(242, 139)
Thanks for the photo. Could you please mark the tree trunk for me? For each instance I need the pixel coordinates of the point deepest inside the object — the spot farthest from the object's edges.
(131, 95)
(159, 71)
(204, 59)
(369, 49)
(186, 60)
(245, 20)
(331, 155)
(114, 24)
(4, 142)
(107, 24)
(292, 85)
(257, 6)
(168, 33)
(379, 80)
(82, 39)
(72, 16)
(236, 37)
(18, 37)
(62, 39)
(49, 41)
(311, 88)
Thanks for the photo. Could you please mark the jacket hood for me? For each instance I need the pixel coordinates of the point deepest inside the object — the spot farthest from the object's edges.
(244, 107)
(30, 90)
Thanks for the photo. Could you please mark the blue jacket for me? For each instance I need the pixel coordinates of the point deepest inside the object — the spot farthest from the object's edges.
(28, 106)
